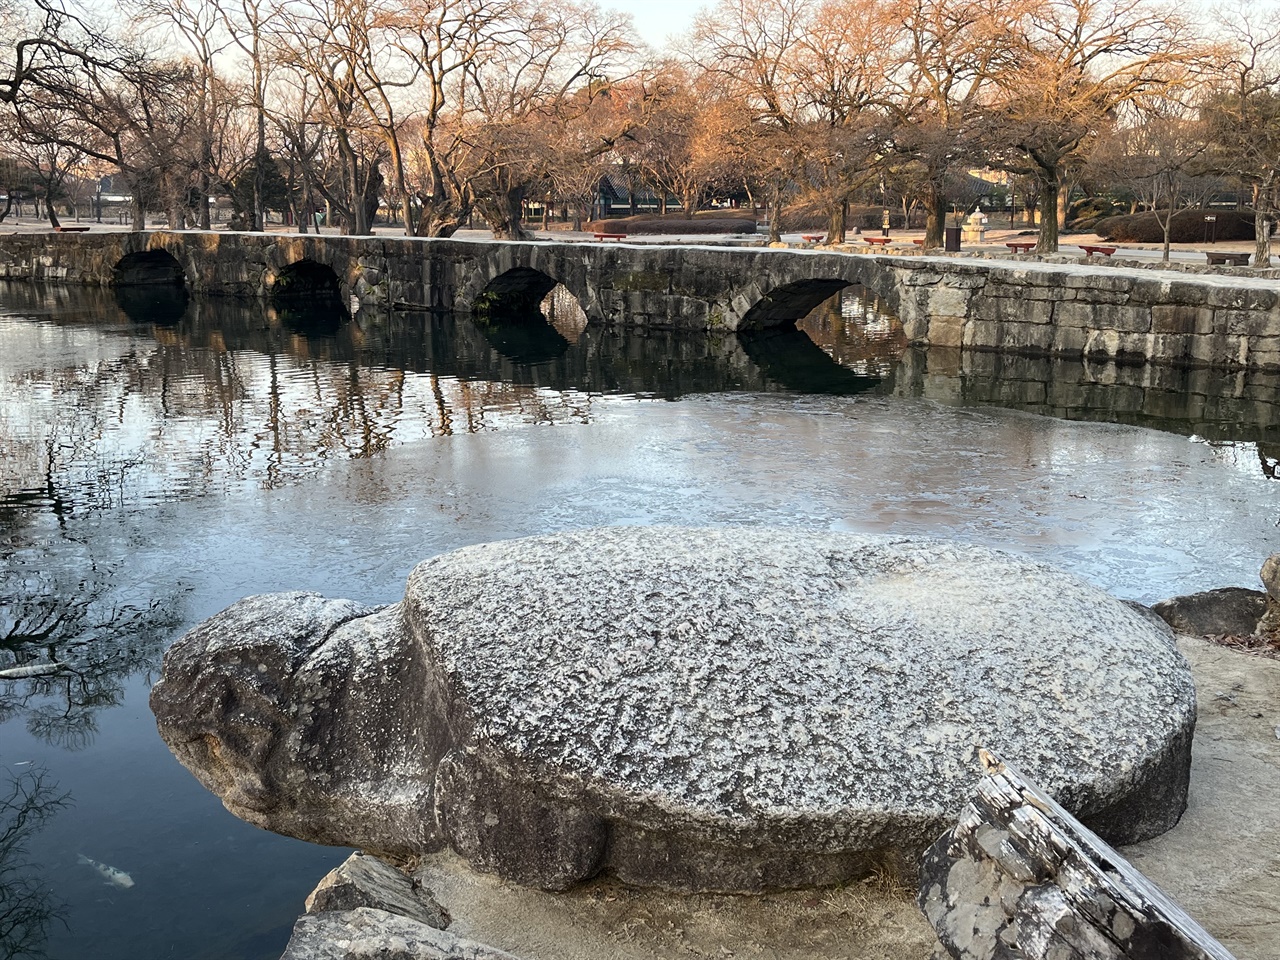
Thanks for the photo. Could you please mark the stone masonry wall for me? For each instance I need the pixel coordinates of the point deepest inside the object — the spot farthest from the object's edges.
(1095, 311)
(1098, 311)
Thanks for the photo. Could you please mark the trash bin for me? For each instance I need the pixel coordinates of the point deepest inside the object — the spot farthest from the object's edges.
(951, 239)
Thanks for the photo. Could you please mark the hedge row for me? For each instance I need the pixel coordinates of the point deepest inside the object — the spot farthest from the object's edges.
(1188, 227)
(672, 225)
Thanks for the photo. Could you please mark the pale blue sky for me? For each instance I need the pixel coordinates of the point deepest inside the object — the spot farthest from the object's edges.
(656, 20)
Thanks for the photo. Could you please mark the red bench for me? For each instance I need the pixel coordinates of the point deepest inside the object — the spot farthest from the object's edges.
(1021, 246)
(1091, 250)
(919, 241)
(70, 229)
(610, 236)
(811, 237)
(876, 241)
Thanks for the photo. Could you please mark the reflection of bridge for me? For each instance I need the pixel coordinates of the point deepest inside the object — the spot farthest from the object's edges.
(1112, 312)
(666, 363)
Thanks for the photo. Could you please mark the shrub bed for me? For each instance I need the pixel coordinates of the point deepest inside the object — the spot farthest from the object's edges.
(713, 221)
(815, 217)
(1188, 227)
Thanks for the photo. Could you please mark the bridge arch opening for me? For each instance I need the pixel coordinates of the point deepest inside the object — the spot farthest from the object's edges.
(146, 268)
(514, 296)
(526, 295)
(846, 344)
(856, 329)
(784, 305)
(307, 278)
(528, 316)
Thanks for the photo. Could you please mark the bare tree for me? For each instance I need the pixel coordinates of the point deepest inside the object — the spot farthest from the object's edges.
(814, 78)
(199, 29)
(1159, 156)
(45, 139)
(1242, 115)
(951, 52)
(553, 60)
(1078, 62)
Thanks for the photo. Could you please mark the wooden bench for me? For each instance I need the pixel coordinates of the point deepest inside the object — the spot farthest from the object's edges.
(610, 236)
(70, 229)
(876, 241)
(811, 237)
(1091, 250)
(1020, 246)
(1232, 259)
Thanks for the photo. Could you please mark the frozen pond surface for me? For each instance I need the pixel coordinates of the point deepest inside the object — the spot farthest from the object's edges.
(150, 475)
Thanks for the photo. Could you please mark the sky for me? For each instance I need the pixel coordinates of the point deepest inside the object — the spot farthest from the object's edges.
(656, 20)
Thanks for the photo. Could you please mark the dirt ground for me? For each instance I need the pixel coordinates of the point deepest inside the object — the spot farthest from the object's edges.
(1222, 863)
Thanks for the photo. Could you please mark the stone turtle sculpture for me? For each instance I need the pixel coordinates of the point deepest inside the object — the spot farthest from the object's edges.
(726, 709)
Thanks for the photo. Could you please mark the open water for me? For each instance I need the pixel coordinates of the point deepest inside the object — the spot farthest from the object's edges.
(160, 459)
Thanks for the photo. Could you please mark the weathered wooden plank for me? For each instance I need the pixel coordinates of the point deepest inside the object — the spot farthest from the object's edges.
(1020, 877)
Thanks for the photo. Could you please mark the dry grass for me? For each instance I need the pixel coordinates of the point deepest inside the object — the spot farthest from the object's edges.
(1258, 644)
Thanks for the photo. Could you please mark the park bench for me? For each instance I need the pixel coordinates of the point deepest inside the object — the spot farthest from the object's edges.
(918, 241)
(610, 236)
(811, 237)
(1021, 246)
(1231, 259)
(1090, 250)
(70, 229)
(877, 241)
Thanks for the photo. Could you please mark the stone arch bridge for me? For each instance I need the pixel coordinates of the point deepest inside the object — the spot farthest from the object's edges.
(660, 286)
(1119, 312)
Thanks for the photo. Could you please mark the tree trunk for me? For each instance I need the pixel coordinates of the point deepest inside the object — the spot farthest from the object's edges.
(177, 218)
(504, 218)
(1263, 219)
(8, 205)
(935, 210)
(52, 214)
(775, 215)
(205, 222)
(1050, 189)
(838, 222)
(689, 202)
(1039, 880)
(137, 213)
(259, 96)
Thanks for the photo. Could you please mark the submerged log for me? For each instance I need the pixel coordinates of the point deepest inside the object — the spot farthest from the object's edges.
(1019, 877)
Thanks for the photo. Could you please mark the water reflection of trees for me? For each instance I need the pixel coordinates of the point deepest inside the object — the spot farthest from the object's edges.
(68, 640)
(28, 909)
(239, 392)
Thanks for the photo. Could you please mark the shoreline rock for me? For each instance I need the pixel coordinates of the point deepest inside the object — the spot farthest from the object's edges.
(736, 710)
(1231, 613)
